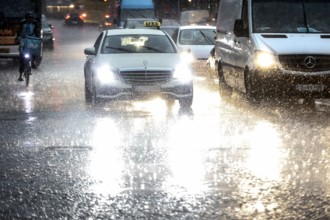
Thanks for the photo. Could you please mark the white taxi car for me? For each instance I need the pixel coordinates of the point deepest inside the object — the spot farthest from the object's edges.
(134, 63)
(198, 39)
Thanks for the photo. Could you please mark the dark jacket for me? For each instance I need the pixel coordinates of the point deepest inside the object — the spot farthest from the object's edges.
(29, 28)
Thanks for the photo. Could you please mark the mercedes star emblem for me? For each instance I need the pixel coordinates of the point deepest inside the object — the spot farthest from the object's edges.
(310, 62)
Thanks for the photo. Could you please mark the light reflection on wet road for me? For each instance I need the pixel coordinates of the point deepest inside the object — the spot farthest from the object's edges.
(221, 159)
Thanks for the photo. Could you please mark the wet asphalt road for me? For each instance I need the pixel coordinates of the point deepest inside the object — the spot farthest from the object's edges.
(222, 159)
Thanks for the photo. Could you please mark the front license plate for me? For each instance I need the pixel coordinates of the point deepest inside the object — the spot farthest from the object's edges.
(4, 50)
(147, 88)
(310, 87)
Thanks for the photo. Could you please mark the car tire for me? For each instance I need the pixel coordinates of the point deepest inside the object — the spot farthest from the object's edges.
(224, 88)
(186, 102)
(252, 95)
(88, 94)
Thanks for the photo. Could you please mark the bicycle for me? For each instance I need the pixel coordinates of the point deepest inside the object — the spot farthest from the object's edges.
(31, 49)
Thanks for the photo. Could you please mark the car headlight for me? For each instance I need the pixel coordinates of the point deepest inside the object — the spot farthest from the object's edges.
(182, 73)
(105, 75)
(187, 56)
(265, 60)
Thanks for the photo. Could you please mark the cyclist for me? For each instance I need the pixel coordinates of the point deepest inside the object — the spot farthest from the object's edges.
(28, 27)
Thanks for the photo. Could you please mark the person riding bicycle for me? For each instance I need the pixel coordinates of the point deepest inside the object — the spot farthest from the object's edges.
(29, 26)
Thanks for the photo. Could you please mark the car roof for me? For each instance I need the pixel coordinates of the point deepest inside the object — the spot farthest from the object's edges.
(134, 31)
(141, 19)
(197, 27)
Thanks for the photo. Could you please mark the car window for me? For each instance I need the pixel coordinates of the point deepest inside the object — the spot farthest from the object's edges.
(197, 37)
(98, 42)
(137, 44)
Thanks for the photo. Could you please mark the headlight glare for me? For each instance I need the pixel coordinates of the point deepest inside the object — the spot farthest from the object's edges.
(182, 73)
(265, 60)
(105, 75)
(187, 57)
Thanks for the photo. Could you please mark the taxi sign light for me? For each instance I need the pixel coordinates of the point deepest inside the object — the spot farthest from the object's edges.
(151, 24)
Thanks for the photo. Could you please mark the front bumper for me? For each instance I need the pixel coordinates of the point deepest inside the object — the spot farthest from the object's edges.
(9, 51)
(124, 91)
(281, 82)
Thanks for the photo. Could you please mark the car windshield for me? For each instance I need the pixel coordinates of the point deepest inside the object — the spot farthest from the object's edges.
(137, 44)
(291, 16)
(197, 37)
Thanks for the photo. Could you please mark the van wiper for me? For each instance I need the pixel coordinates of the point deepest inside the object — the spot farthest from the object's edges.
(305, 17)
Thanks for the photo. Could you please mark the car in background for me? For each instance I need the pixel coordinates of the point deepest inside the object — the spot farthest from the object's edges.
(139, 23)
(207, 21)
(169, 29)
(108, 23)
(47, 33)
(74, 18)
(198, 40)
(155, 67)
(169, 25)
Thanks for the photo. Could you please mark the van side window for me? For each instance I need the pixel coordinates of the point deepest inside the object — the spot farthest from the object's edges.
(230, 11)
(245, 16)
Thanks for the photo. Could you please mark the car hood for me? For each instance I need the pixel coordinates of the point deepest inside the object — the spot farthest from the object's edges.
(293, 43)
(140, 61)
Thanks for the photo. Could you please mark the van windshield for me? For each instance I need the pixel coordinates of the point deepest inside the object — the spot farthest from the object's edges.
(291, 16)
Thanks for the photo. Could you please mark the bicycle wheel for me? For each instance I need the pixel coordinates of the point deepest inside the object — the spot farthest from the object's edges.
(27, 74)
(27, 78)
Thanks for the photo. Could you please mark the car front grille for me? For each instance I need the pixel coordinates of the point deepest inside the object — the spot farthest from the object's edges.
(305, 63)
(145, 77)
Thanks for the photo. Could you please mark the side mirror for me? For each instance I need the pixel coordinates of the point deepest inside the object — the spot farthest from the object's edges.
(90, 51)
(239, 29)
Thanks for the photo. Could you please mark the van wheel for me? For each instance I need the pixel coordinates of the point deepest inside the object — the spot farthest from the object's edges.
(252, 95)
(224, 88)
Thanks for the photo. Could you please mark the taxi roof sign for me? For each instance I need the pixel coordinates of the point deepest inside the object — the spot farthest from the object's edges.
(151, 24)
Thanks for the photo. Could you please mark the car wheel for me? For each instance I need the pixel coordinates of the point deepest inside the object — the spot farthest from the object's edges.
(224, 88)
(51, 45)
(186, 102)
(252, 95)
(88, 94)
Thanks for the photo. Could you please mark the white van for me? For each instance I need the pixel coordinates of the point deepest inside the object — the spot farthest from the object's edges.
(268, 47)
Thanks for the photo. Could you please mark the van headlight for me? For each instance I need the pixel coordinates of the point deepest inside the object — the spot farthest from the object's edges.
(105, 75)
(265, 60)
(182, 73)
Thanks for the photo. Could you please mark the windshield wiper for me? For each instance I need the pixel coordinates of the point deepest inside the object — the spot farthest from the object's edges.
(205, 37)
(120, 49)
(153, 49)
(305, 17)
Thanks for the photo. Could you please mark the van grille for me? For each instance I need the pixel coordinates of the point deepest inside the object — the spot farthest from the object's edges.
(143, 77)
(305, 63)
